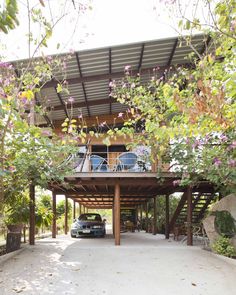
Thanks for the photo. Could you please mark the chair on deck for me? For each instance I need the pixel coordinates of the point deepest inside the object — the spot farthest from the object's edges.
(98, 163)
(126, 161)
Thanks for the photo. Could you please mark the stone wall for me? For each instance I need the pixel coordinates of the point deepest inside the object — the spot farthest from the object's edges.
(226, 204)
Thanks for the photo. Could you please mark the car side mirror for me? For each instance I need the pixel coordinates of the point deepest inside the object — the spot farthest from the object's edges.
(104, 220)
(75, 220)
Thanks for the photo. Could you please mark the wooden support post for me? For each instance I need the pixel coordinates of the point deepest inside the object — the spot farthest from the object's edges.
(117, 214)
(32, 215)
(146, 220)
(189, 217)
(66, 214)
(167, 231)
(113, 220)
(141, 217)
(154, 229)
(80, 209)
(74, 209)
(54, 216)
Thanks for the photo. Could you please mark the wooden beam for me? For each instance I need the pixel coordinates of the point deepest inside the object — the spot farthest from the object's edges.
(32, 215)
(167, 231)
(110, 80)
(54, 216)
(189, 217)
(117, 214)
(84, 104)
(63, 106)
(141, 58)
(74, 209)
(66, 215)
(205, 45)
(107, 76)
(154, 231)
(146, 221)
(49, 122)
(113, 220)
(83, 85)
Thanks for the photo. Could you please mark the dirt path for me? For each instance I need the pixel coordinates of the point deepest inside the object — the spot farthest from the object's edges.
(144, 264)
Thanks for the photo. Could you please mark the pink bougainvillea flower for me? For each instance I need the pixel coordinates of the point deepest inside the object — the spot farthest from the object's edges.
(127, 68)
(233, 145)
(120, 115)
(12, 168)
(71, 99)
(46, 133)
(103, 124)
(176, 182)
(217, 162)
(232, 163)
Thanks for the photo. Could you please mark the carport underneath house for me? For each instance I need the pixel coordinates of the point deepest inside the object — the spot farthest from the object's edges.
(132, 189)
(89, 73)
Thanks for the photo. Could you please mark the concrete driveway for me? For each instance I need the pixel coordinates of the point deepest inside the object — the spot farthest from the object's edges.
(144, 264)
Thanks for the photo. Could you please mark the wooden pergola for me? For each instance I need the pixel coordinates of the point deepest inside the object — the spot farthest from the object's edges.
(125, 189)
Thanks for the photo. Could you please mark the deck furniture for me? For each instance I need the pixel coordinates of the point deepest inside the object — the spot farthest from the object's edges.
(126, 161)
(98, 163)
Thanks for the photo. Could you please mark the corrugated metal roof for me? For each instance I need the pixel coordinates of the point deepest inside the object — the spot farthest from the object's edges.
(88, 73)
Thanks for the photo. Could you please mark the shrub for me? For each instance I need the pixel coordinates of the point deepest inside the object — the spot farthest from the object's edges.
(224, 247)
(225, 224)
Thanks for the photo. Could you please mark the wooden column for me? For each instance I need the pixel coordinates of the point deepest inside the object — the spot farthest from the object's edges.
(66, 214)
(189, 217)
(32, 215)
(154, 229)
(113, 220)
(74, 209)
(80, 209)
(54, 212)
(117, 214)
(146, 221)
(141, 217)
(167, 230)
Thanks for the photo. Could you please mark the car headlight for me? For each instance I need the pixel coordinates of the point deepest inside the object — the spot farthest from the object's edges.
(75, 226)
(97, 226)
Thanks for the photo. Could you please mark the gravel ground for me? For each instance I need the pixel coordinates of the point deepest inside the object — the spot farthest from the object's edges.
(144, 264)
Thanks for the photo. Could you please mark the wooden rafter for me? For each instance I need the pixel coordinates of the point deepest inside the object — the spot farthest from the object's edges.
(84, 104)
(83, 85)
(205, 45)
(141, 58)
(49, 122)
(110, 72)
(107, 76)
(63, 106)
(171, 56)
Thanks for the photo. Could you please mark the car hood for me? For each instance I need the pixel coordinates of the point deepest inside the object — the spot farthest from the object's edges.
(91, 223)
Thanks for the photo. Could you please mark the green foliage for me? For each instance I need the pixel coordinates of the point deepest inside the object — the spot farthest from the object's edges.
(188, 115)
(18, 211)
(60, 209)
(224, 223)
(43, 211)
(8, 15)
(161, 209)
(224, 247)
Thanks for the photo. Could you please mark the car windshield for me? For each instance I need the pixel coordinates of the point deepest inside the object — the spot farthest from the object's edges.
(90, 217)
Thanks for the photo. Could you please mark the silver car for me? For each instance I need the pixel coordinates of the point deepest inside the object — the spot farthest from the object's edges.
(88, 224)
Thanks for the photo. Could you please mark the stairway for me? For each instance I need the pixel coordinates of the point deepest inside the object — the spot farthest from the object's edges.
(201, 202)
